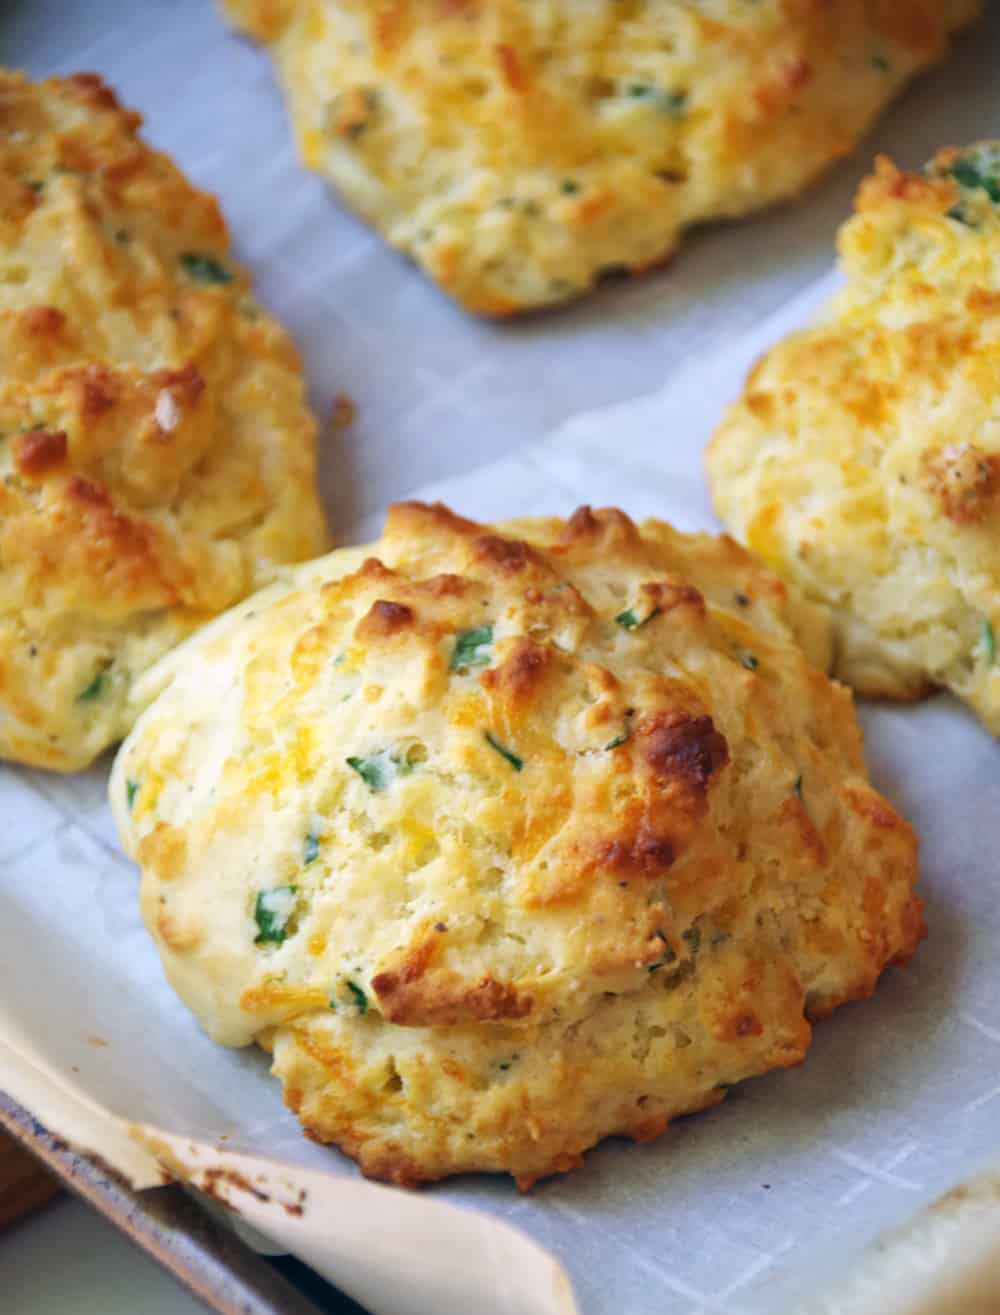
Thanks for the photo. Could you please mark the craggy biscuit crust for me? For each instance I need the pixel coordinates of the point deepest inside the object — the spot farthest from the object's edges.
(156, 451)
(863, 460)
(505, 840)
(518, 149)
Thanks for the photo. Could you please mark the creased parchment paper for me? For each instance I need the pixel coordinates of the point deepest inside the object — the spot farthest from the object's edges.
(763, 1205)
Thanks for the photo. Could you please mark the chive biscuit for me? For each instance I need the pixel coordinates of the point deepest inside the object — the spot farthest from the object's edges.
(518, 149)
(508, 840)
(156, 451)
(863, 460)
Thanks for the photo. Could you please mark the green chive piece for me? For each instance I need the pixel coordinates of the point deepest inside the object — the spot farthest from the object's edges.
(131, 790)
(989, 643)
(749, 661)
(205, 269)
(619, 740)
(377, 770)
(667, 102)
(797, 787)
(881, 63)
(570, 186)
(310, 851)
(515, 762)
(360, 999)
(975, 170)
(668, 954)
(742, 600)
(692, 938)
(272, 914)
(472, 648)
(94, 690)
(629, 621)
(973, 176)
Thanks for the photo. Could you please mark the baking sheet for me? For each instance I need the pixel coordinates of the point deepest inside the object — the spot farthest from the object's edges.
(746, 1209)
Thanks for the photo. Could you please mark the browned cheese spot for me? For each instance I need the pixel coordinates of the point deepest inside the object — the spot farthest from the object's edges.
(645, 854)
(682, 748)
(964, 480)
(385, 618)
(39, 452)
(509, 556)
(186, 384)
(521, 675)
(43, 321)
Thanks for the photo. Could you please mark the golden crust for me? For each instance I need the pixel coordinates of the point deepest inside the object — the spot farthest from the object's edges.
(509, 839)
(518, 149)
(159, 454)
(863, 460)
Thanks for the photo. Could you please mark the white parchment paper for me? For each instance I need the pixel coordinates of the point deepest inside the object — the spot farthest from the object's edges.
(744, 1210)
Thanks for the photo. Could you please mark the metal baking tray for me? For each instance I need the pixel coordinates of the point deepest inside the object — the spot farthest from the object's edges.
(172, 1228)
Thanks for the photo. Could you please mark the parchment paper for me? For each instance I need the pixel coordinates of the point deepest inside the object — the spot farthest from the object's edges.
(750, 1208)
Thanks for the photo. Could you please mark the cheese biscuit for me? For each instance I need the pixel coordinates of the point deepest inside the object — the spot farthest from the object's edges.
(518, 149)
(508, 839)
(156, 451)
(863, 459)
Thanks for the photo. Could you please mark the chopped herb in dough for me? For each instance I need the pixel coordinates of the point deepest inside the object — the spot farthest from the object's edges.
(205, 269)
(360, 999)
(472, 648)
(515, 762)
(979, 169)
(273, 912)
(669, 954)
(667, 102)
(692, 938)
(988, 643)
(630, 620)
(378, 770)
(90, 693)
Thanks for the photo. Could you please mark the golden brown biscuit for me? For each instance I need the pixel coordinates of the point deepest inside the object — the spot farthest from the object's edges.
(156, 451)
(863, 460)
(507, 840)
(518, 149)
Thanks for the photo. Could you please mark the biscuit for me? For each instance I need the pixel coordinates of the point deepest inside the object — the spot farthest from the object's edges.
(863, 459)
(156, 451)
(505, 840)
(518, 149)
